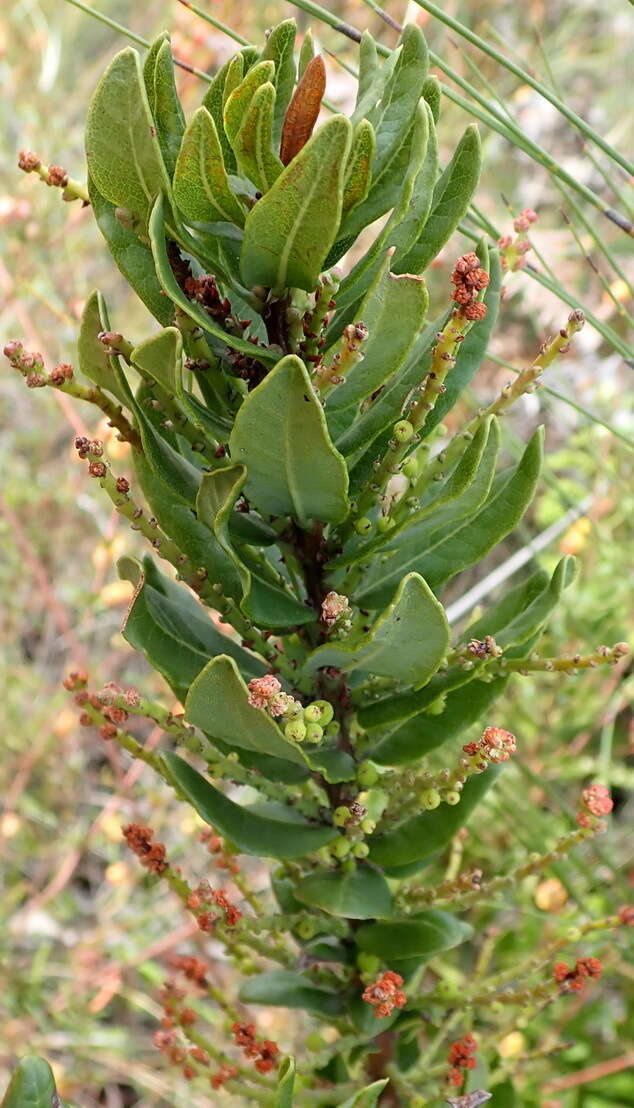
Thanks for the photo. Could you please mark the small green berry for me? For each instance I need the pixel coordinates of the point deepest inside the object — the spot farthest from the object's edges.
(368, 826)
(363, 525)
(361, 850)
(305, 929)
(332, 728)
(340, 847)
(327, 712)
(348, 865)
(367, 775)
(341, 816)
(314, 733)
(403, 430)
(452, 796)
(312, 713)
(295, 730)
(384, 523)
(429, 799)
(410, 467)
(574, 934)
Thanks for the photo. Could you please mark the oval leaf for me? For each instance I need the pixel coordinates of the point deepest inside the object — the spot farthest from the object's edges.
(280, 434)
(32, 1085)
(158, 74)
(253, 144)
(408, 641)
(283, 989)
(362, 894)
(251, 832)
(425, 935)
(201, 186)
(289, 231)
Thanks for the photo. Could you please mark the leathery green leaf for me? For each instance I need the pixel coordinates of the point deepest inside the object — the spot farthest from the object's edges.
(367, 1097)
(132, 257)
(177, 296)
(122, 149)
(201, 186)
(368, 65)
(236, 105)
(94, 362)
(32, 1085)
(499, 516)
(362, 894)
(280, 434)
(218, 703)
(359, 168)
(393, 311)
(158, 74)
(285, 1084)
(431, 93)
(253, 144)
(289, 231)
(213, 101)
(408, 641)
(422, 836)
(424, 935)
(279, 49)
(284, 989)
(171, 467)
(252, 833)
(452, 196)
(159, 357)
(177, 636)
(391, 119)
(267, 604)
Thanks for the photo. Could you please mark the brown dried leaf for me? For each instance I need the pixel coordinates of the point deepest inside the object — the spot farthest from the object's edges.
(301, 114)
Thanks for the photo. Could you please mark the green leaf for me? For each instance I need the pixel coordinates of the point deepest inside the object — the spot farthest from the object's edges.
(408, 641)
(431, 93)
(32, 1085)
(218, 704)
(94, 362)
(369, 65)
(359, 168)
(472, 351)
(497, 519)
(452, 196)
(362, 894)
(252, 833)
(201, 185)
(412, 547)
(236, 105)
(391, 119)
(333, 764)
(159, 357)
(279, 48)
(280, 434)
(532, 620)
(283, 989)
(167, 624)
(285, 1084)
(290, 230)
(423, 935)
(172, 468)
(213, 101)
(504, 1095)
(253, 144)
(306, 53)
(422, 733)
(367, 1097)
(179, 523)
(165, 107)
(393, 311)
(132, 257)
(122, 148)
(422, 836)
(177, 296)
(266, 603)
(411, 225)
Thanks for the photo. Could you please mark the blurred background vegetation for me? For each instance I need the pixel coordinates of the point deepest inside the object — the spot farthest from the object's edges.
(83, 941)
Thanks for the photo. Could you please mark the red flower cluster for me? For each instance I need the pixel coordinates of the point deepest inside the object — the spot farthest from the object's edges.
(150, 854)
(192, 968)
(203, 896)
(461, 1057)
(215, 847)
(596, 801)
(385, 995)
(626, 915)
(496, 745)
(468, 279)
(224, 1074)
(573, 979)
(265, 1052)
